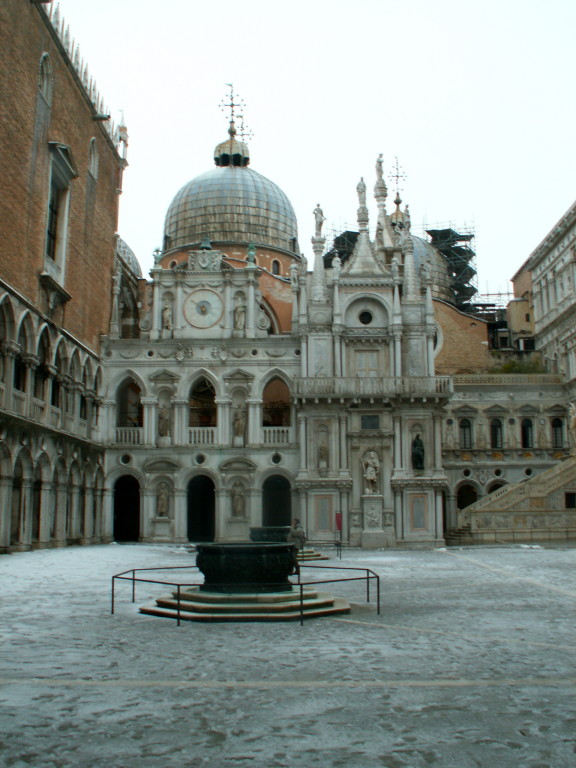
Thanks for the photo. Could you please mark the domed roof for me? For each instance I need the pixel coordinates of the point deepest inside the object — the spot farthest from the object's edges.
(127, 255)
(231, 204)
(440, 273)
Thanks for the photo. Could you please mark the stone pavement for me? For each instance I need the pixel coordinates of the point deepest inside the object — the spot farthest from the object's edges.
(471, 663)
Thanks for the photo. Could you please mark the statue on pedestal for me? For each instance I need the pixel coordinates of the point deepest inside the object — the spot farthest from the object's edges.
(371, 467)
(163, 501)
(319, 219)
(417, 453)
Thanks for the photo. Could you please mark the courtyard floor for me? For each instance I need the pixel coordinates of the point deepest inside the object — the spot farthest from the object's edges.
(470, 663)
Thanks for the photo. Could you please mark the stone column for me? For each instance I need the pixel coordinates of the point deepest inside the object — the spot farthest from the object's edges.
(74, 519)
(397, 443)
(430, 354)
(88, 513)
(304, 356)
(224, 431)
(337, 355)
(437, 442)
(107, 516)
(150, 405)
(439, 514)
(397, 353)
(302, 435)
(5, 512)
(156, 311)
(399, 517)
(254, 422)
(251, 308)
(228, 324)
(342, 438)
(180, 421)
(451, 518)
(46, 511)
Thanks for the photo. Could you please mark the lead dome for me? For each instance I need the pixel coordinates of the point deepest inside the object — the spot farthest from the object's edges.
(231, 204)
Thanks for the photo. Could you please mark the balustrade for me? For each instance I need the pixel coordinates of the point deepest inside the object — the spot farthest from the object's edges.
(276, 435)
(129, 435)
(202, 435)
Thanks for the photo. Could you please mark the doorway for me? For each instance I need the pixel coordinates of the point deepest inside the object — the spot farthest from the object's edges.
(201, 509)
(126, 509)
(276, 501)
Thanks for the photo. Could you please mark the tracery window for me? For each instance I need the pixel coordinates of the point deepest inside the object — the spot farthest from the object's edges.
(202, 404)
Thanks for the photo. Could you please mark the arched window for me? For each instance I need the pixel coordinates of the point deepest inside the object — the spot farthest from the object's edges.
(202, 403)
(557, 433)
(276, 404)
(275, 267)
(45, 78)
(496, 433)
(41, 372)
(466, 495)
(93, 159)
(465, 431)
(527, 433)
(129, 412)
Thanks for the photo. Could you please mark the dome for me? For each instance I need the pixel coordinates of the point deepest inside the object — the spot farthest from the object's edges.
(127, 255)
(440, 273)
(231, 204)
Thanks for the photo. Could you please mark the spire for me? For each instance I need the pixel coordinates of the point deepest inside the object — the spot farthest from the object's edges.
(362, 259)
(318, 292)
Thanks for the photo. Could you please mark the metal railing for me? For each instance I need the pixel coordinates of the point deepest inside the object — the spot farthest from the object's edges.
(368, 577)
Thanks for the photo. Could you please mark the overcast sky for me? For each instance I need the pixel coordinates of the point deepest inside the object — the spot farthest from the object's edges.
(475, 98)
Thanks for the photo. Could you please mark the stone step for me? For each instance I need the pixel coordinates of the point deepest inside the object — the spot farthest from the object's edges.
(321, 605)
(194, 594)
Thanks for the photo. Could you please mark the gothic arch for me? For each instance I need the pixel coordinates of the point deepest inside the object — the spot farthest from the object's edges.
(7, 319)
(45, 78)
(121, 377)
(25, 333)
(200, 373)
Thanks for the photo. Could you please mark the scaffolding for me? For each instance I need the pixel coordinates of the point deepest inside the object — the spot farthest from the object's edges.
(461, 261)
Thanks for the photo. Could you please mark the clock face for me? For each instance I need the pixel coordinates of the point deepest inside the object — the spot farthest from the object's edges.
(203, 308)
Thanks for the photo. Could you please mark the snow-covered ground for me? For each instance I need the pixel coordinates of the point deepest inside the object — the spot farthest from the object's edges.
(471, 663)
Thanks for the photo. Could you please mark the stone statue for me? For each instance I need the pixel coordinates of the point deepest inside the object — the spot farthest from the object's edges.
(361, 189)
(379, 169)
(240, 317)
(251, 256)
(572, 422)
(239, 424)
(163, 501)
(163, 421)
(449, 437)
(167, 316)
(417, 453)
(157, 254)
(395, 269)
(323, 455)
(238, 499)
(294, 276)
(319, 218)
(336, 267)
(406, 219)
(371, 467)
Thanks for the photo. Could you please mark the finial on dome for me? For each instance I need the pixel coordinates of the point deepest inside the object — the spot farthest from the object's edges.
(232, 151)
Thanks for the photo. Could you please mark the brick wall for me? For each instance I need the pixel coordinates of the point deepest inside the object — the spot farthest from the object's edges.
(28, 124)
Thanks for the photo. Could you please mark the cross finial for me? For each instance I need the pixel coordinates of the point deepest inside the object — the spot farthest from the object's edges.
(233, 101)
(244, 131)
(396, 175)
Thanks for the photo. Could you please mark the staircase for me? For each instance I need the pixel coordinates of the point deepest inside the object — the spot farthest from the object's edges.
(196, 605)
(458, 537)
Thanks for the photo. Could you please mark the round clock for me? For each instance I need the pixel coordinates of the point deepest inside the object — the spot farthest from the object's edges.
(203, 308)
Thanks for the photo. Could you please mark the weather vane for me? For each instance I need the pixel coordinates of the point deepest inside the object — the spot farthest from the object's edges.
(233, 101)
(397, 174)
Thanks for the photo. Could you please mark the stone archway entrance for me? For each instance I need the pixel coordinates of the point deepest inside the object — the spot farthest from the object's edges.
(276, 501)
(467, 494)
(126, 509)
(201, 509)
